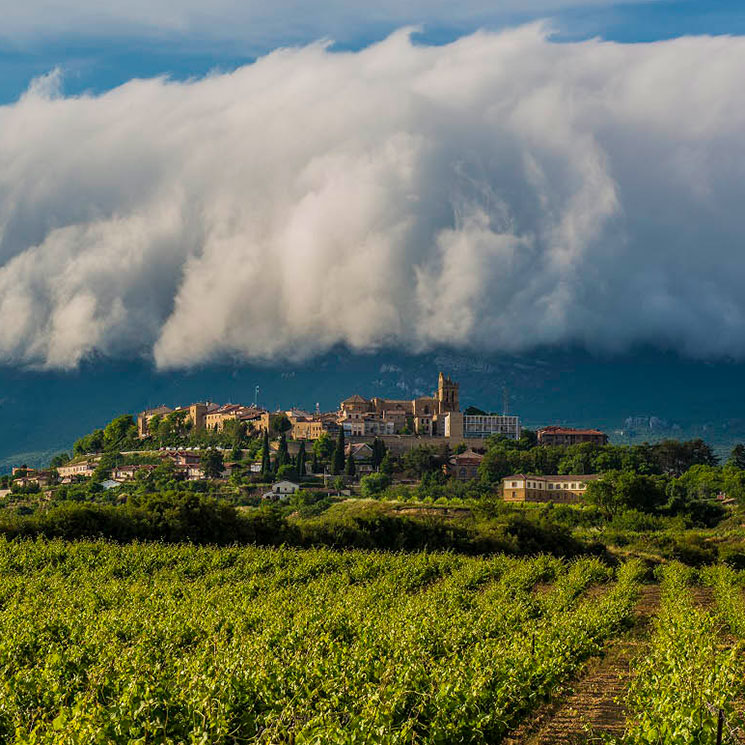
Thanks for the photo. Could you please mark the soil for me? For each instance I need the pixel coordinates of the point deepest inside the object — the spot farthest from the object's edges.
(592, 704)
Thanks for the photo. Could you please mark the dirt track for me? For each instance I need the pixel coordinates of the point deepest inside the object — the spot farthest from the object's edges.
(593, 702)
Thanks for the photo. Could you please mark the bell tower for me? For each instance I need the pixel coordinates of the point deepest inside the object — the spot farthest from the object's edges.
(447, 394)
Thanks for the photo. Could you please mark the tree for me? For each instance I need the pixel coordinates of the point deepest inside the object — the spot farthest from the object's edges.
(212, 464)
(286, 472)
(579, 459)
(279, 423)
(236, 454)
(119, 432)
(602, 493)
(92, 443)
(266, 461)
(419, 461)
(737, 457)
(283, 455)
(386, 466)
(300, 462)
(59, 460)
(623, 490)
(350, 469)
(378, 453)
(323, 447)
(374, 483)
(474, 411)
(337, 463)
(675, 458)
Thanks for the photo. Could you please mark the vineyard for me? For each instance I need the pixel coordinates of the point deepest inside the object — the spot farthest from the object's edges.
(102, 643)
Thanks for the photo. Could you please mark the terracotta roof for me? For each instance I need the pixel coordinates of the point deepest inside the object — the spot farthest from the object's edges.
(356, 399)
(556, 430)
(466, 455)
(562, 477)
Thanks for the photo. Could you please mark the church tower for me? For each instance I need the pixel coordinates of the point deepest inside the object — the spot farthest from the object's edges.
(447, 395)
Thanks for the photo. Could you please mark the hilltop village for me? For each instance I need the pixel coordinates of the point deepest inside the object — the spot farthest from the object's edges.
(365, 445)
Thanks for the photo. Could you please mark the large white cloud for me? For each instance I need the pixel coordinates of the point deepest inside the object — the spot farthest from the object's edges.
(496, 193)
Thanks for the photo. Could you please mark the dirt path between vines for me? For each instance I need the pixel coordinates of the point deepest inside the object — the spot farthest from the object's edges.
(593, 701)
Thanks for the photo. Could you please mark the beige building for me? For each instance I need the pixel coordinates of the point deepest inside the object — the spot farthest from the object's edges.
(426, 414)
(310, 428)
(522, 487)
(255, 418)
(464, 466)
(82, 468)
(144, 418)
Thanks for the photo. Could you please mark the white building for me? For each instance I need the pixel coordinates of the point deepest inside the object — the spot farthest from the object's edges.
(282, 490)
(483, 425)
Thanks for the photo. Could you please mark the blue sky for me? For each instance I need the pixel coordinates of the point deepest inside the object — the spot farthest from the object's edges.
(98, 50)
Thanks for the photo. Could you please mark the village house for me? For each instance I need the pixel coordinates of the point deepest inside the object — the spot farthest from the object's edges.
(81, 468)
(127, 473)
(145, 417)
(183, 457)
(305, 426)
(555, 435)
(464, 466)
(282, 490)
(362, 455)
(522, 487)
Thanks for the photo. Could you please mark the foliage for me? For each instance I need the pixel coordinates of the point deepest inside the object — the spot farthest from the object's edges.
(686, 676)
(107, 644)
(350, 469)
(337, 463)
(212, 463)
(373, 484)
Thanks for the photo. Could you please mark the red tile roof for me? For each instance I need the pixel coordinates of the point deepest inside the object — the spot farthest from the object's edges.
(556, 430)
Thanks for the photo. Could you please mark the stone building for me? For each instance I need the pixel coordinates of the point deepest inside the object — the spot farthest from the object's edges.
(522, 487)
(424, 415)
(464, 466)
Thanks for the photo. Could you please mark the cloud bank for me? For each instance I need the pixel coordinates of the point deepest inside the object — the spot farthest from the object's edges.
(497, 193)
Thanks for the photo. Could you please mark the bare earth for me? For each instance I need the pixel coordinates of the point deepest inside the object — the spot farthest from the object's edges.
(593, 703)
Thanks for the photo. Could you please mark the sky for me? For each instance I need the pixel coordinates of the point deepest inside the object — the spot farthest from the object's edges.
(266, 181)
(103, 44)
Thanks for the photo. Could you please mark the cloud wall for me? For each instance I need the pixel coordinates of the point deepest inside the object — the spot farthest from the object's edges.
(496, 193)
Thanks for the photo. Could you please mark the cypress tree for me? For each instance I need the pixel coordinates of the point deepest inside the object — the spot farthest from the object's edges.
(378, 452)
(337, 464)
(283, 456)
(350, 469)
(300, 463)
(386, 466)
(266, 462)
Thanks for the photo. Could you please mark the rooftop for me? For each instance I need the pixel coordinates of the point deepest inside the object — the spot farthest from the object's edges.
(557, 430)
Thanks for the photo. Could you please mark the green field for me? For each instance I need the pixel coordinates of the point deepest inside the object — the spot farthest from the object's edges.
(103, 643)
